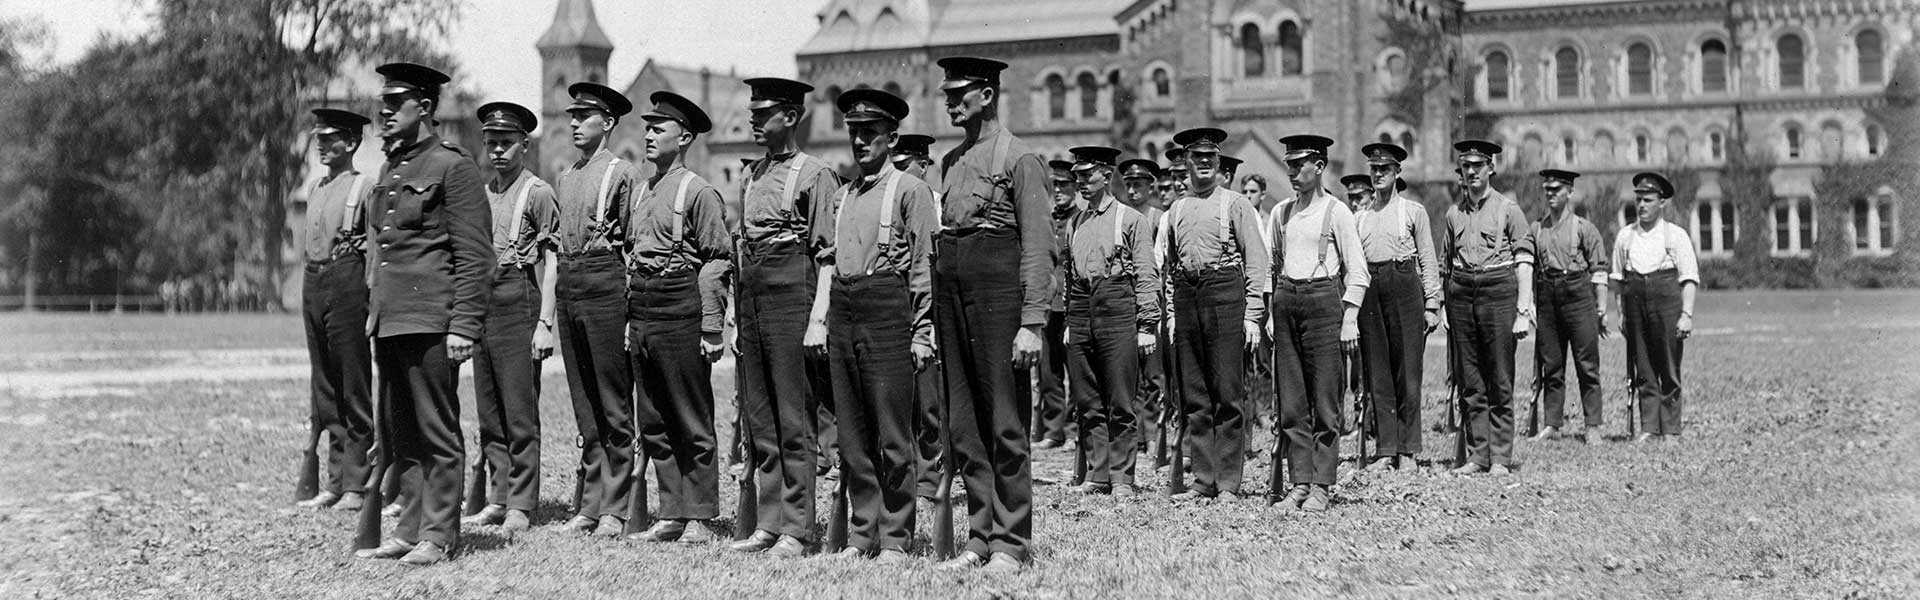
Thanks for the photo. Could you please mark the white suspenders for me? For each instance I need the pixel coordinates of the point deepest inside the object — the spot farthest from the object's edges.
(885, 235)
(606, 193)
(519, 211)
(1278, 225)
(1119, 218)
(352, 212)
(680, 208)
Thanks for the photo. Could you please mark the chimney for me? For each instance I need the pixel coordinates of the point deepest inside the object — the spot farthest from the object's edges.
(706, 87)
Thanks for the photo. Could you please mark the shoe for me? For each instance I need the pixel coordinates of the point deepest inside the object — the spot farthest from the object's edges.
(390, 549)
(1671, 438)
(664, 530)
(516, 522)
(1499, 470)
(1190, 495)
(760, 541)
(1643, 438)
(891, 556)
(610, 527)
(1049, 444)
(1546, 433)
(1316, 500)
(493, 514)
(1125, 490)
(426, 553)
(1469, 469)
(580, 524)
(392, 510)
(698, 532)
(1091, 489)
(966, 560)
(847, 553)
(350, 502)
(1002, 563)
(321, 500)
(788, 547)
(1295, 496)
(1382, 463)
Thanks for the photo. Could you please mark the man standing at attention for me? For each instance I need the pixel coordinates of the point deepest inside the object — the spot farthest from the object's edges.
(1402, 304)
(1487, 255)
(1655, 274)
(333, 306)
(1571, 282)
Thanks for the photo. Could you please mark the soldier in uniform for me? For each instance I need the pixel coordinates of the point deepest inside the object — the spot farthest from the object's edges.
(1051, 414)
(518, 333)
(1402, 304)
(593, 193)
(1178, 172)
(428, 299)
(1569, 286)
(1113, 314)
(876, 250)
(912, 155)
(1139, 185)
(1320, 278)
(1218, 265)
(333, 307)
(1487, 255)
(991, 293)
(789, 194)
(1654, 276)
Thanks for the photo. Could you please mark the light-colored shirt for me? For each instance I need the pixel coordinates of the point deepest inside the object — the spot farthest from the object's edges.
(1570, 244)
(1487, 232)
(997, 181)
(1397, 230)
(1111, 239)
(1320, 240)
(592, 201)
(849, 237)
(785, 196)
(327, 229)
(537, 221)
(678, 223)
(1665, 246)
(1219, 231)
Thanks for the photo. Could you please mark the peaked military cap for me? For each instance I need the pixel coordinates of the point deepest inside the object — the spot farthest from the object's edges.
(1085, 158)
(963, 71)
(867, 104)
(914, 144)
(1654, 182)
(593, 96)
(1557, 177)
(1229, 164)
(402, 77)
(1357, 180)
(1200, 139)
(1476, 151)
(668, 106)
(334, 120)
(1382, 153)
(768, 92)
(1175, 154)
(506, 116)
(1139, 168)
(1305, 145)
(1060, 167)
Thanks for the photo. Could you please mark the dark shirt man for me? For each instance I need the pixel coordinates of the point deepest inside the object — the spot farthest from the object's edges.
(1487, 255)
(333, 307)
(1570, 280)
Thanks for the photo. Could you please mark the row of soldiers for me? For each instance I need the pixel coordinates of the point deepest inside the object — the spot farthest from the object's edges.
(886, 322)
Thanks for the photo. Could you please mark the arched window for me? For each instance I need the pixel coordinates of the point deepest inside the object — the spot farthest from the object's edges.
(1793, 141)
(1713, 66)
(1499, 76)
(1716, 146)
(1056, 97)
(1290, 43)
(1870, 57)
(1567, 149)
(1642, 148)
(1406, 142)
(1639, 69)
(1119, 99)
(893, 88)
(1793, 62)
(1253, 53)
(1603, 147)
(839, 119)
(1089, 95)
(1566, 73)
(1162, 83)
(1876, 139)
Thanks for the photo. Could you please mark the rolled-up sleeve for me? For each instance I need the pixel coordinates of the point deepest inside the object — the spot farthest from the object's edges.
(1521, 234)
(1594, 249)
(713, 247)
(1680, 247)
(1146, 271)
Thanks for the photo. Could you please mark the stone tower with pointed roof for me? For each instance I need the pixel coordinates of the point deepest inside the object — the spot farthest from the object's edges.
(573, 49)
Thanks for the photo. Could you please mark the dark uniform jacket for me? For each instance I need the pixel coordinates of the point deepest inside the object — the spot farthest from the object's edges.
(433, 243)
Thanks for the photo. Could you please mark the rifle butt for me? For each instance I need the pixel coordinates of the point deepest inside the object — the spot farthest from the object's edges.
(367, 534)
(476, 496)
(309, 484)
(943, 518)
(837, 518)
(639, 518)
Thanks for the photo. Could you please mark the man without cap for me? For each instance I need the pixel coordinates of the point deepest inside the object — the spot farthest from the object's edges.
(1402, 304)
(1568, 287)
(875, 250)
(1487, 256)
(590, 303)
(678, 254)
(1139, 184)
(1320, 278)
(1218, 267)
(1655, 275)
(518, 333)
(789, 194)
(991, 293)
(333, 307)
(428, 299)
(1112, 316)
(1052, 414)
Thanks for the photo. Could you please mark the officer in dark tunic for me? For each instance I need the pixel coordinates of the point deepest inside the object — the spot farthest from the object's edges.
(333, 308)
(1655, 275)
(1487, 255)
(1569, 284)
(435, 262)
(991, 293)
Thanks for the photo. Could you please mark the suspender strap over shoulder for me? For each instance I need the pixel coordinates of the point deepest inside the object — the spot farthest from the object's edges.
(606, 191)
(680, 208)
(519, 211)
(351, 218)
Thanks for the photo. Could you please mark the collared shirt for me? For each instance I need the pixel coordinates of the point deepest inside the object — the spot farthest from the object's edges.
(579, 193)
(785, 196)
(848, 237)
(659, 241)
(1219, 231)
(1014, 193)
(434, 251)
(1570, 244)
(1398, 230)
(1094, 253)
(537, 221)
(328, 233)
(1320, 240)
(1665, 246)
(1488, 232)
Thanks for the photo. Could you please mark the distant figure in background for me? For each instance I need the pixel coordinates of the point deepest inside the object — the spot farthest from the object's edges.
(1655, 274)
(1140, 191)
(333, 307)
(1052, 417)
(1569, 285)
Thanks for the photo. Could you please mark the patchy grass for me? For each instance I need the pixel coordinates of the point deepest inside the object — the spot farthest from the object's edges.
(1796, 479)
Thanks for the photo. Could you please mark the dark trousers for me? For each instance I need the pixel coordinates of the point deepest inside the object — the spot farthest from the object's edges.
(929, 418)
(1308, 365)
(976, 305)
(506, 389)
(1480, 314)
(775, 388)
(1051, 415)
(1103, 359)
(422, 411)
(333, 307)
(591, 306)
(674, 398)
(870, 350)
(1393, 344)
(1150, 395)
(1210, 340)
(1569, 318)
(1652, 306)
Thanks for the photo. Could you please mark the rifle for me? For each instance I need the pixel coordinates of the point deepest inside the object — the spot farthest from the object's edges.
(1533, 408)
(1079, 464)
(746, 515)
(1633, 392)
(1362, 401)
(1455, 413)
(309, 484)
(368, 533)
(943, 501)
(1277, 480)
(476, 497)
(1177, 475)
(837, 517)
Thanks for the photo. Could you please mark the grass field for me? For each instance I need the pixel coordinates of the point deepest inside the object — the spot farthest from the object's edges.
(153, 456)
